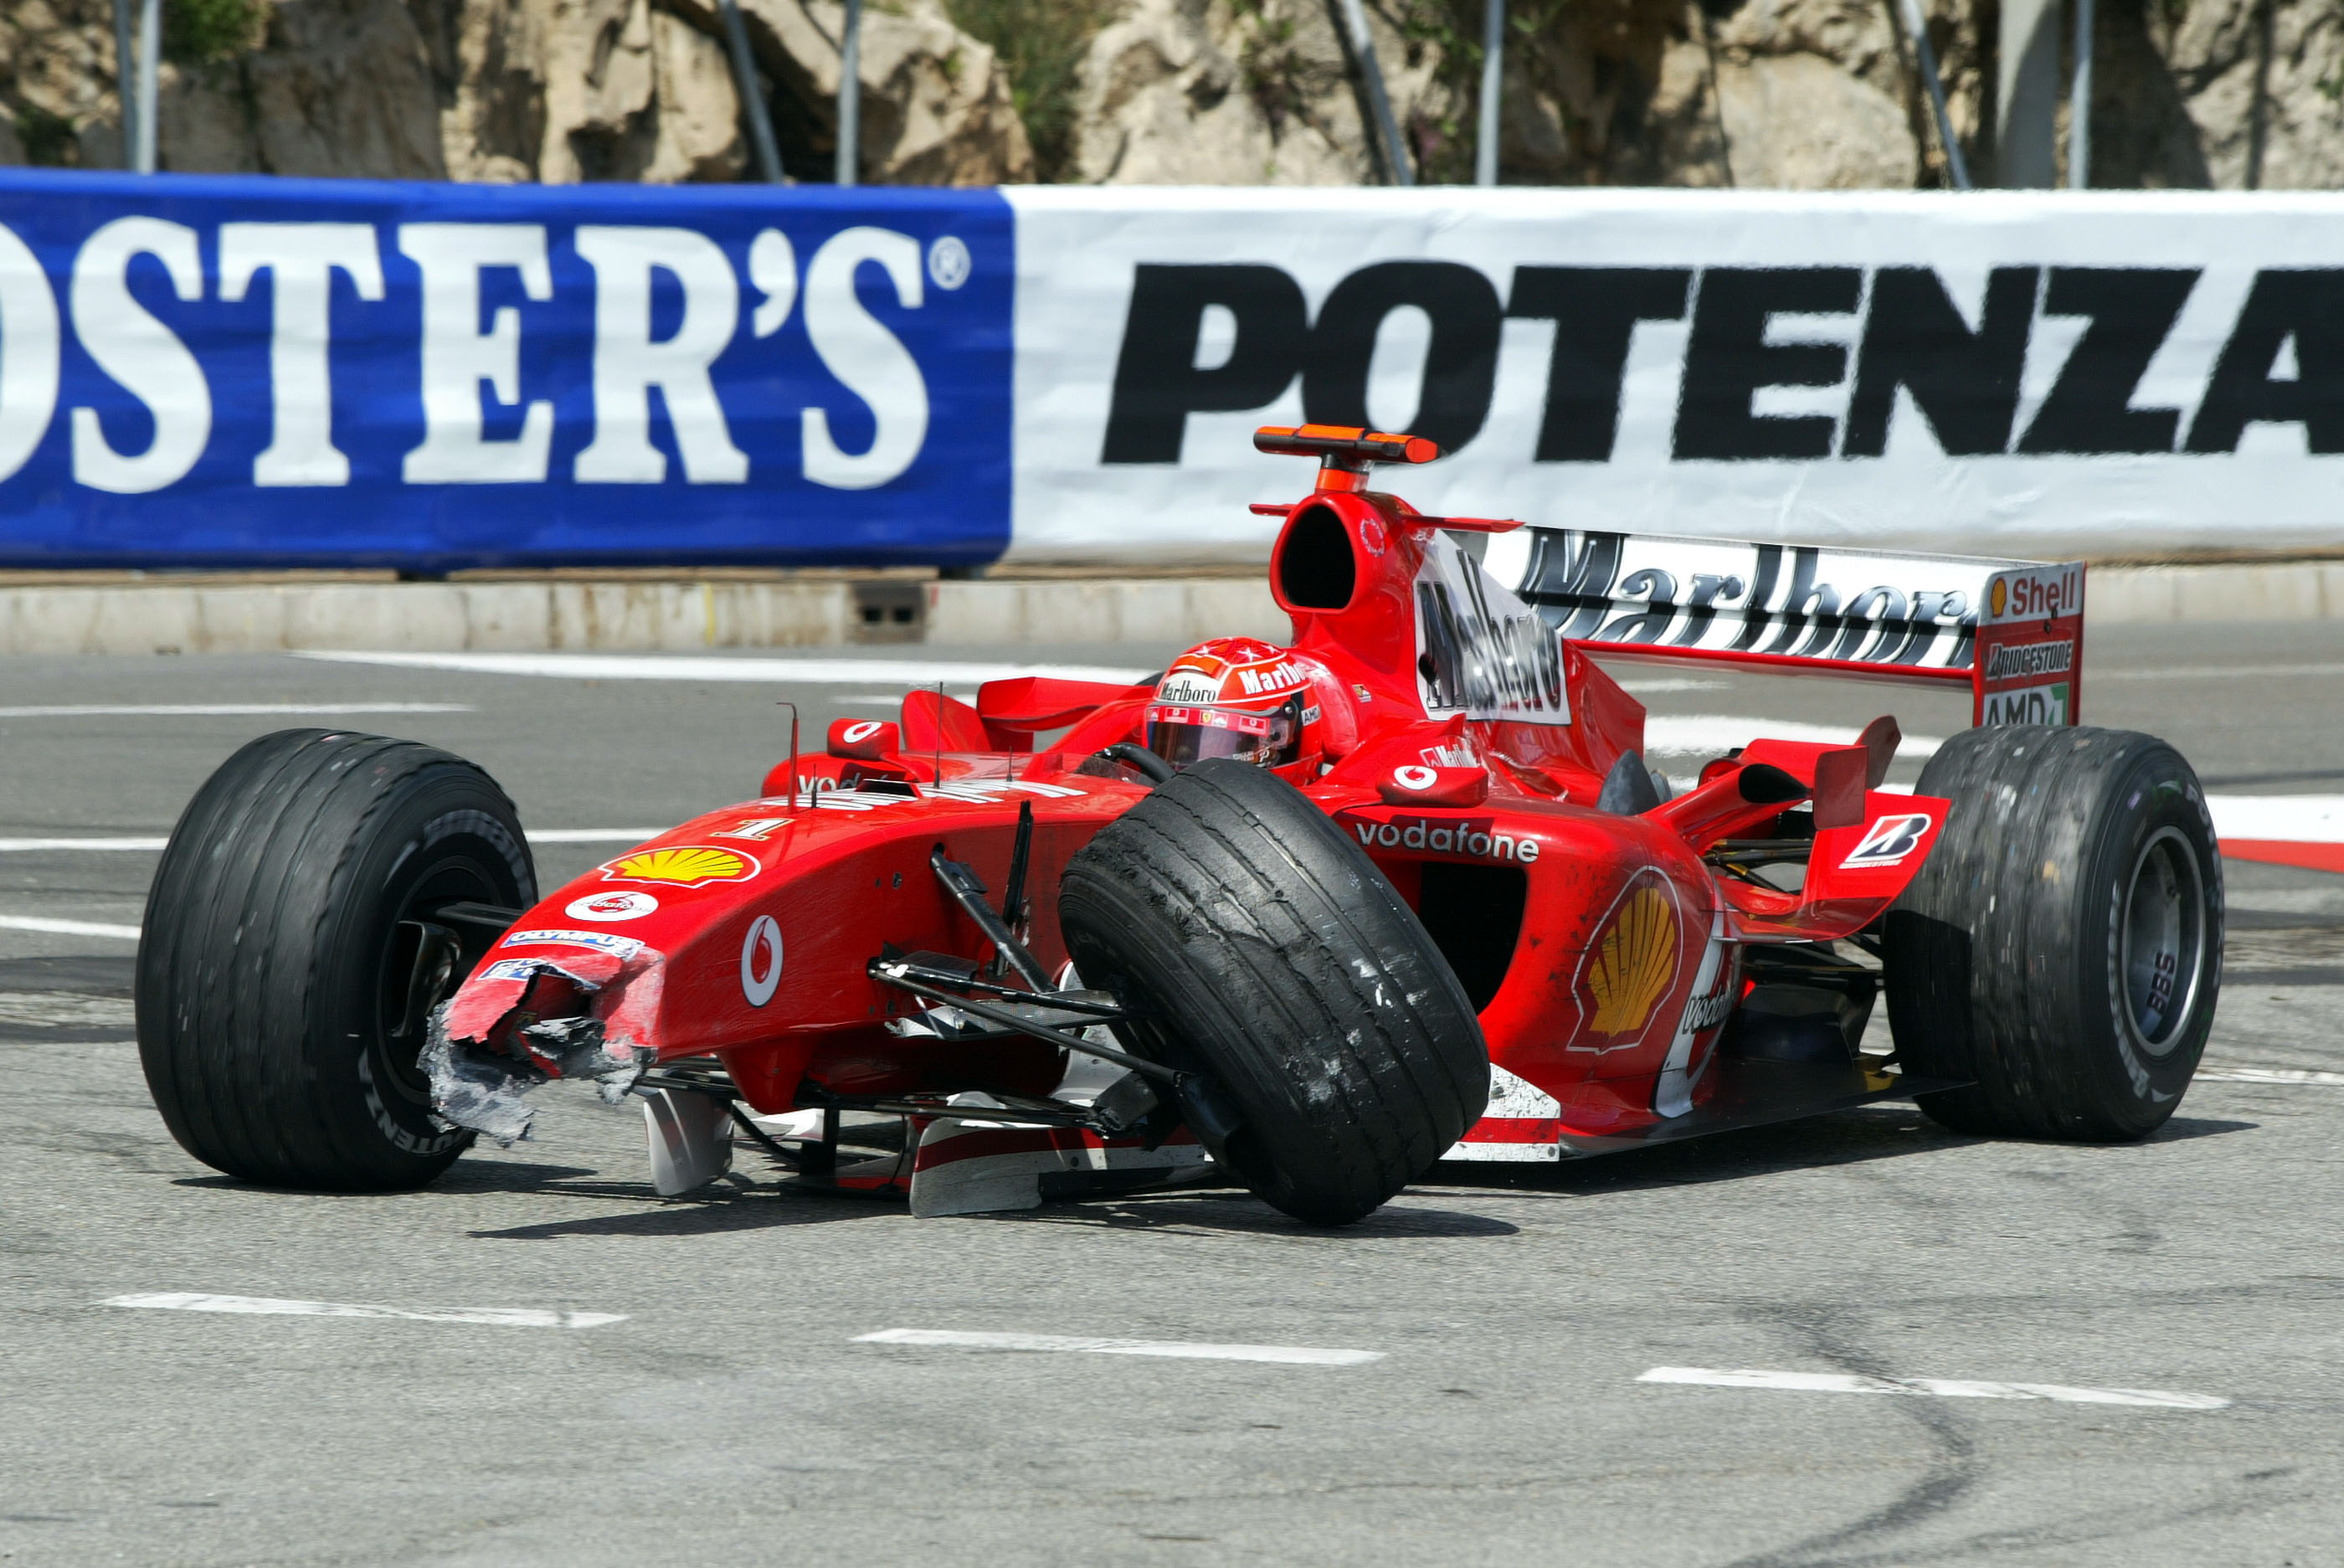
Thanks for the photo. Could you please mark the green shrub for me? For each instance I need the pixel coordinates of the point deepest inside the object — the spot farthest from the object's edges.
(1040, 44)
(197, 30)
(48, 138)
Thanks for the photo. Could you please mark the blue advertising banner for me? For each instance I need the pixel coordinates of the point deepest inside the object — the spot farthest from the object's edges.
(236, 371)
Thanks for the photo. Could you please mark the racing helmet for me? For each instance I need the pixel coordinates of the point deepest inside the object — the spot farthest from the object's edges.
(1241, 697)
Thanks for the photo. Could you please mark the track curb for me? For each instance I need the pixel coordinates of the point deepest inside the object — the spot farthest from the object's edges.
(184, 616)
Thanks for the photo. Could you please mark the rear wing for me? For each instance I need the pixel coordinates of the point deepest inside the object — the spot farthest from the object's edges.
(2012, 631)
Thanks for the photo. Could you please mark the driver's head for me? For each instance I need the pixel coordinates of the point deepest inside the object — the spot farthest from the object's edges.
(1239, 697)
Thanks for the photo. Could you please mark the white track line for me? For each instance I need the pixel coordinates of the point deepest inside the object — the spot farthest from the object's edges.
(496, 1317)
(890, 699)
(797, 671)
(213, 710)
(1285, 1355)
(1721, 732)
(629, 836)
(68, 927)
(2269, 1075)
(1943, 1388)
(595, 834)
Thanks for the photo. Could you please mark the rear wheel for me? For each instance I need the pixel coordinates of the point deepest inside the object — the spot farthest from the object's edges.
(294, 948)
(1271, 958)
(2062, 946)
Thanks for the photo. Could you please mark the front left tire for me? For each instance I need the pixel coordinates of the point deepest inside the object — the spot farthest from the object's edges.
(292, 952)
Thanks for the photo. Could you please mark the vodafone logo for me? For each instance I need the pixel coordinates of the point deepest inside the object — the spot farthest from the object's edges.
(862, 732)
(612, 906)
(760, 961)
(1414, 777)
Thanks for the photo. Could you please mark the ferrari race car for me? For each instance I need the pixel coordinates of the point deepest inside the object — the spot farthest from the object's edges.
(1310, 919)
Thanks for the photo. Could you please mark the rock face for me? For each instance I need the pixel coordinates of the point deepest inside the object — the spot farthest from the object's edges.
(505, 90)
(1792, 94)
(2210, 96)
(1208, 92)
(1815, 94)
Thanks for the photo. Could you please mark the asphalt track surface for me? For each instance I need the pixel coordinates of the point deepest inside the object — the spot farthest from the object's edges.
(733, 1413)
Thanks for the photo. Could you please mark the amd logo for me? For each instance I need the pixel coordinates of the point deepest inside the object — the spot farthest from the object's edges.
(1965, 381)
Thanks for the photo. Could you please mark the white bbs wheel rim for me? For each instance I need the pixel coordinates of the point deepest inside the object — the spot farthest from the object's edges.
(2161, 961)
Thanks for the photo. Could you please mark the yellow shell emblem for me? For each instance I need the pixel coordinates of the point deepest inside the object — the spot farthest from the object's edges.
(1632, 964)
(682, 865)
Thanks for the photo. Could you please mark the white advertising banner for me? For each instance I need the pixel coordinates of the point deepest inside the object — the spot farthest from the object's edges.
(1996, 374)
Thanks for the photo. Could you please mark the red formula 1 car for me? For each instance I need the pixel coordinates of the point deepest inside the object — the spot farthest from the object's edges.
(1310, 918)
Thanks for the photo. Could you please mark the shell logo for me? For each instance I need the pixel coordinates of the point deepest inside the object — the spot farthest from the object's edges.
(2001, 596)
(682, 865)
(1635, 963)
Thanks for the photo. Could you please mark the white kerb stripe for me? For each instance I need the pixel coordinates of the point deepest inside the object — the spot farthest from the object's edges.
(1943, 1388)
(68, 927)
(264, 1306)
(212, 710)
(1289, 1355)
(2292, 818)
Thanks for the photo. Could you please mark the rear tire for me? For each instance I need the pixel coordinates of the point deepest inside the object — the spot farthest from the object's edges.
(2062, 946)
(282, 979)
(1277, 961)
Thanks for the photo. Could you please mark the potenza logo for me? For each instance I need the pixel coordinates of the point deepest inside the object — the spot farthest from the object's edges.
(2017, 661)
(1957, 352)
(1887, 842)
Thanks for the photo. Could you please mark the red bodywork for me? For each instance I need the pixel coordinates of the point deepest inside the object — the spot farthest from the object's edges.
(1602, 950)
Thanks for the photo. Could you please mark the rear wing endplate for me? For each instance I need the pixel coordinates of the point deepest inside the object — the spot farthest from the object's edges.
(2012, 631)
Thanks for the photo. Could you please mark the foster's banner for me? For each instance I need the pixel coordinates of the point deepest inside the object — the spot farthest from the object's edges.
(219, 371)
(240, 371)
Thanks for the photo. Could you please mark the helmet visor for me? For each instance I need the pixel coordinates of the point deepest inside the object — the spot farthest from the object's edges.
(1185, 735)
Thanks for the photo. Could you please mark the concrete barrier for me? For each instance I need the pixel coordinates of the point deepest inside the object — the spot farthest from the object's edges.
(191, 615)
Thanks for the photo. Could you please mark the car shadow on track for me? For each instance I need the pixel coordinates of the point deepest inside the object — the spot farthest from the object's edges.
(1226, 1210)
(762, 1210)
(1846, 1137)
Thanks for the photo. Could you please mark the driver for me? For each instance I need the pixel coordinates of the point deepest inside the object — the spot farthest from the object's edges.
(1243, 698)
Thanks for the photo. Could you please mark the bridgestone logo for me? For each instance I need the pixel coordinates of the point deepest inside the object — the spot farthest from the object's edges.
(2014, 661)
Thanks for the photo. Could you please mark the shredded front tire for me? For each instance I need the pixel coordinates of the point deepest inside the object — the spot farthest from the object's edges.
(1271, 957)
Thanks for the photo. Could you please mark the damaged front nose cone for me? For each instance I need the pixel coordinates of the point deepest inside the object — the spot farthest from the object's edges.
(477, 1086)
